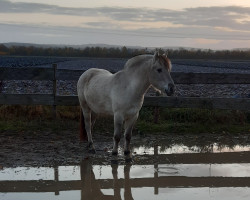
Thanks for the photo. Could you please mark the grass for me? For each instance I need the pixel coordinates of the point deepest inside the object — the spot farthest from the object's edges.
(41, 118)
(186, 120)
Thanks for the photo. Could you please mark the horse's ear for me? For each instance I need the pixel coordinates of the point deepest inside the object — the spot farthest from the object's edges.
(156, 56)
(165, 54)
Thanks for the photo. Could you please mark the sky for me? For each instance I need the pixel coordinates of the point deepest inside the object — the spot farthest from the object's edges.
(209, 24)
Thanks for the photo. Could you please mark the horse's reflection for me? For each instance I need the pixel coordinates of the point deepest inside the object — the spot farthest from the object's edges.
(91, 188)
(127, 186)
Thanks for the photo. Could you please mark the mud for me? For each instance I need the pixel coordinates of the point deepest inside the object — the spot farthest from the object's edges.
(50, 165)
(64, 148)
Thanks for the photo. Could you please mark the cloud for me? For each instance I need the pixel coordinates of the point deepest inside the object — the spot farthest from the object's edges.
(231, 17)
(144, 37)
(203, 25)
(161, 33)
(102, 25)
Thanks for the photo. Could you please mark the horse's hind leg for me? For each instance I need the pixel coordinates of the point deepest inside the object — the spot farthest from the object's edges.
(87, 120)
(129, 125)
(118, 122)
(93, 120)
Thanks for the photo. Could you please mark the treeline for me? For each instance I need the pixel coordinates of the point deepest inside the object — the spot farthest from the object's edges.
(123, 52)
(70, 52)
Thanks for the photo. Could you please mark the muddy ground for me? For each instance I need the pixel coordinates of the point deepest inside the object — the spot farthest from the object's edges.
(64, 148)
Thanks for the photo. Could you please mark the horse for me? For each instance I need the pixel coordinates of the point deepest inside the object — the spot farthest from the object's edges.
(121, 95)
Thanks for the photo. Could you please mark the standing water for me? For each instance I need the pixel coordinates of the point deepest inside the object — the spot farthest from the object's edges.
(157, 172)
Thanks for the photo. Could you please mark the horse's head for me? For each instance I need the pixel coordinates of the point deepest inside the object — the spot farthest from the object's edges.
(159, 75)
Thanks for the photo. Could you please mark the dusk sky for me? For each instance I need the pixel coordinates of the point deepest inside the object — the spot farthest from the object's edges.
(214, 24)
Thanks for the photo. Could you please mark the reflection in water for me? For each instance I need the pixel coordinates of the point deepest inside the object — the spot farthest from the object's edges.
(158, 176)
(127, 182)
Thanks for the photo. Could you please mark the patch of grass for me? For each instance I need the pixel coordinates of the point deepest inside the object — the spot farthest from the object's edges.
(194, 128)
(187, 120)
(36, 125)
(25, 118)
(41, 118)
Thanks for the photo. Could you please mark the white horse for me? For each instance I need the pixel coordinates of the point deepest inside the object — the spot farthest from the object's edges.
(121, 94)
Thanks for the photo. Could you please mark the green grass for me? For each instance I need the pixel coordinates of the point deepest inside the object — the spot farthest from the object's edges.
(41, 118)
(186, 120)
(194, 128)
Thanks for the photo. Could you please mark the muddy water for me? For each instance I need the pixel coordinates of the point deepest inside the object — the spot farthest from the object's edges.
(156, 172)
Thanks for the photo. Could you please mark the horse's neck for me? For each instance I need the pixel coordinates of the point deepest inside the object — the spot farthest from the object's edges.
(138, 78)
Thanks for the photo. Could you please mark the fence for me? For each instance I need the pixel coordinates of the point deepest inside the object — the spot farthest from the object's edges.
(54, 74)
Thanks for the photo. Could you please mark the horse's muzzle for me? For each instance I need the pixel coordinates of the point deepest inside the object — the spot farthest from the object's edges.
(171, 89)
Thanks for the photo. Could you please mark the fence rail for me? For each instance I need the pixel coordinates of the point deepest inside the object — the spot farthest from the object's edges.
(169, 102)
(54, 74)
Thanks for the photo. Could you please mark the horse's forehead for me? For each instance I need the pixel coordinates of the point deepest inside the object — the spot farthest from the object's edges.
(166, 62)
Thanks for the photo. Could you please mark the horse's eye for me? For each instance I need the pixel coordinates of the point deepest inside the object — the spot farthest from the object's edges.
(159, 70)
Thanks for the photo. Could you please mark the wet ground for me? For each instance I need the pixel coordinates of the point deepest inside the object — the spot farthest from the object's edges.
(57, 166)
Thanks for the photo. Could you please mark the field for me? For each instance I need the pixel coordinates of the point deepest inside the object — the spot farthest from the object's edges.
(115, 64)
(30, 61)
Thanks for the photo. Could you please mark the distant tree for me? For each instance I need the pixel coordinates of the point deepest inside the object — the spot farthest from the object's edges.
(123, 52)
(3, 50)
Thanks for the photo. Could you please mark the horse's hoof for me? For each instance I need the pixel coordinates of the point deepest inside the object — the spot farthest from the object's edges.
(92, 151)
(114, 162)
(114, 153)
(128, 159)
(126, 153)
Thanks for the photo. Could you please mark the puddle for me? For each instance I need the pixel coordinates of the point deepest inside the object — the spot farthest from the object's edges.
(176, 172)
(211, 148)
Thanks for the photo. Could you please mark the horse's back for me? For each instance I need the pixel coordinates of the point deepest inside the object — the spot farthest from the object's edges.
(90, 75)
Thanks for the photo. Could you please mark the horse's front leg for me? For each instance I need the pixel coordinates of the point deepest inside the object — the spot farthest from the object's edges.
(129, 125)
(118, 122)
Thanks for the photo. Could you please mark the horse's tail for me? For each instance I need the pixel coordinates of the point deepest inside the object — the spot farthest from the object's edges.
(83, 133)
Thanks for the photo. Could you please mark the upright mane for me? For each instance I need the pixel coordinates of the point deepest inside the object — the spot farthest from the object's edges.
(137, 60)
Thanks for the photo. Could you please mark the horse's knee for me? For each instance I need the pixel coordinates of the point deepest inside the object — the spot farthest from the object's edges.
(128, 137)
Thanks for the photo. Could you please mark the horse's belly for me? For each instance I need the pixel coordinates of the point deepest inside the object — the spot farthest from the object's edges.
(99, 104)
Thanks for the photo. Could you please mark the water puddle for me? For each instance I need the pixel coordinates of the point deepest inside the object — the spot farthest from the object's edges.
(211, 148)
(176, 172)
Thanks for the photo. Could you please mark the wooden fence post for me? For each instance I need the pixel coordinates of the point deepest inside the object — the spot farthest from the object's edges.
(156, 169)
(56, 174)
(54, 89)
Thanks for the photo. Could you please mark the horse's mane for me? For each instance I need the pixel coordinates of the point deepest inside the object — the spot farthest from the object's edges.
(137, 60)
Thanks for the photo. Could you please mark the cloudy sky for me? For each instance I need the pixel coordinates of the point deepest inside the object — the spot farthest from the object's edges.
(215, 24)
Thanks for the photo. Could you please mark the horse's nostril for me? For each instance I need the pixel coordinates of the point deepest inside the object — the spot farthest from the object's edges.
(171, 87)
